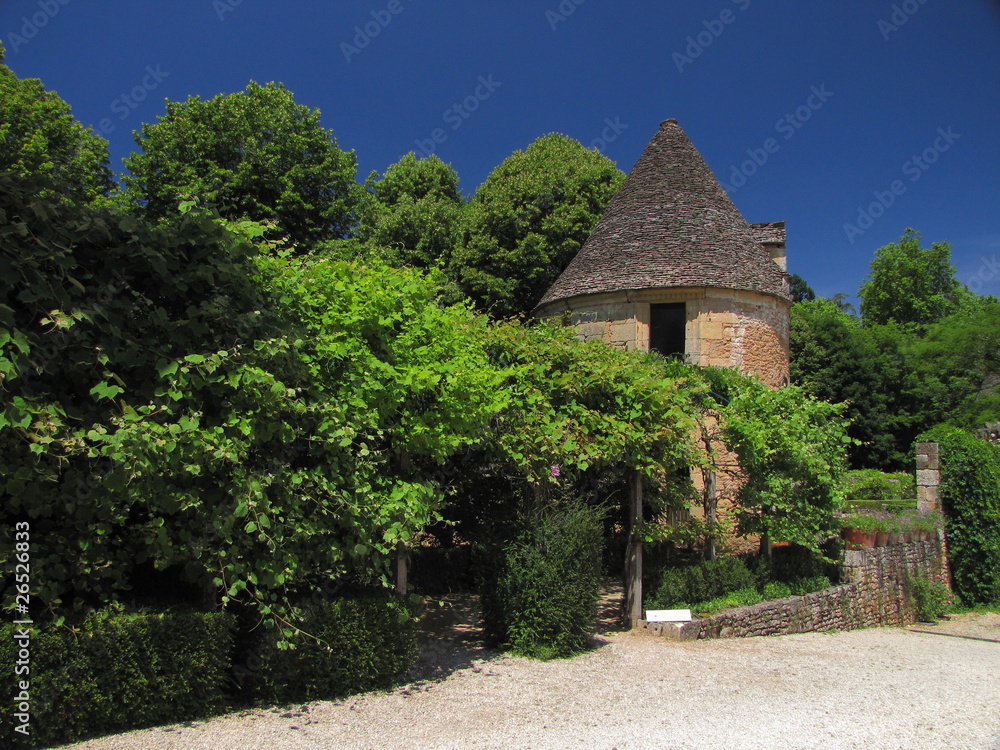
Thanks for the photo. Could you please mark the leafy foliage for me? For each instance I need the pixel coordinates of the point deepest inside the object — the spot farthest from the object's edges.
(529, 219)
(40, 138)
(539, 596)
(413, 213)
(791, 448)
(836, 359)
(374, 646)
(800, 290)
(701, 582)
(244, 417)
(957, 365)
(872, 487)
(255, 154)
(911, 284)
(120, 671)
(970, 496)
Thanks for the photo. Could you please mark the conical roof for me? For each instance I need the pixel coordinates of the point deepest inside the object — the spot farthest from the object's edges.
(670, 225)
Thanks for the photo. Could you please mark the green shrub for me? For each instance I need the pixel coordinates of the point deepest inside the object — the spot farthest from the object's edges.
(873, 488)
(540, 591)
(368, 643)
(970, 497)
(807, 585)
(931, 596)
(776, 590)
(701, 582)
(739, 598)
(120, 671)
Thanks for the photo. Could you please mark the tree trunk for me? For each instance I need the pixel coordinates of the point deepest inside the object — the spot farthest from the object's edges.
(633, 554)
(711, 507)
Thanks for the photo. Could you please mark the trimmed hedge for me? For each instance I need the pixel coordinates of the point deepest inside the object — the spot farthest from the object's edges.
(970, 498)
(701, 583)
(119, 672)
(368, 643)
(540, 591)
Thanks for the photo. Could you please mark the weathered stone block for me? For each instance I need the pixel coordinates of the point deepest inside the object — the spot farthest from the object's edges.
(928, 497)
(928, 477)
(929, 449)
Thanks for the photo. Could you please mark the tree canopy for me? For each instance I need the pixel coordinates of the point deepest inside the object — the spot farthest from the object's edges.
(412, 214)
(254, 154)
(39, 136)
(910, 284)
(529, 219)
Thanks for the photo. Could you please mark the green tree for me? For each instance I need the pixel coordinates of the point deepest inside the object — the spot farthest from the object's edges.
(800, 290)
(528, 219)
(911, 284)
(254, 154)
(178, 395)
(836, 359)
(412, 214)
(958, 365)
(791, 450)
(39, 137)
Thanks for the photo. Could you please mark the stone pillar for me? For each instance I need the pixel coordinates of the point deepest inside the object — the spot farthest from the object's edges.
(928, 476)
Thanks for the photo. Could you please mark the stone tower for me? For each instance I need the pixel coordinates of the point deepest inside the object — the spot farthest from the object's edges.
(674, 267)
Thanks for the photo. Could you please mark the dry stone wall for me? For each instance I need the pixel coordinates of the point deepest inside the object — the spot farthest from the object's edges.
(874, 593)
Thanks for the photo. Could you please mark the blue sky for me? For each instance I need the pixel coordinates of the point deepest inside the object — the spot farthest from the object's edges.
(850, 119)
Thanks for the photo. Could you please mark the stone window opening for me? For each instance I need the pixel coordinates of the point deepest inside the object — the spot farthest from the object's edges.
(667, 324)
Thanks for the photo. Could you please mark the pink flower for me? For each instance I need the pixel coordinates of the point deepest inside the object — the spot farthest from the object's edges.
(554, 470)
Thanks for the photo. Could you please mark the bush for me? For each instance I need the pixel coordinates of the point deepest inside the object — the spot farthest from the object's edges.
(120, 671)
(931, 596)
(776, 590)
(800, 586)
(540, 591)
(870, 487)
(970, 497)
(739, 598)
(368, 643)
(702, 582)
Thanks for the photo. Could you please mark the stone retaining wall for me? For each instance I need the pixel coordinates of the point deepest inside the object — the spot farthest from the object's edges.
(874, 593)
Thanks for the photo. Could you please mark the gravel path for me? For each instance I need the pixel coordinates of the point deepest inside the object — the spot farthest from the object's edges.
(876, 688)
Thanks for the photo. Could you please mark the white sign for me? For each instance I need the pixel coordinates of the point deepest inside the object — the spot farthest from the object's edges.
(668, 615)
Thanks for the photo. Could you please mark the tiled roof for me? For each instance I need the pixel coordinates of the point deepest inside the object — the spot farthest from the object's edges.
(769, 232)
(670, 225)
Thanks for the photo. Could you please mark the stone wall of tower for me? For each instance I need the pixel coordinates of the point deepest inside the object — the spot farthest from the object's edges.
(725, 328)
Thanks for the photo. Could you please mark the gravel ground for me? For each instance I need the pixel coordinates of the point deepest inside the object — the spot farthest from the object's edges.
(876, 688)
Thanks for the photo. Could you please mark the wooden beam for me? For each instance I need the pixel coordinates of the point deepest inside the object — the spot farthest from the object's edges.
(633, 554)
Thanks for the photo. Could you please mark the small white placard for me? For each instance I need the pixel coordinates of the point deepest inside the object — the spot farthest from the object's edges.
(668, 615)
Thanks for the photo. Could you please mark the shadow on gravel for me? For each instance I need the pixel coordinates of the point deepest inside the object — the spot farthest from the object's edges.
(451, 636)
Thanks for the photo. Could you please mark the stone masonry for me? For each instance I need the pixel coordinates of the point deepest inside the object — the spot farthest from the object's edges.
(875, 593)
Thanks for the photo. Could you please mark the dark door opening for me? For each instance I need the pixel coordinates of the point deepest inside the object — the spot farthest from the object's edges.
(666, 329)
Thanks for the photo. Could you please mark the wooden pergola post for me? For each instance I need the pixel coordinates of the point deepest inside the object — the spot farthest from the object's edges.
(633, 553)
(402, 567)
